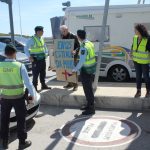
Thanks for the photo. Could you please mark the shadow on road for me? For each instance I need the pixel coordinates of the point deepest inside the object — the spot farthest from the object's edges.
(56, 136)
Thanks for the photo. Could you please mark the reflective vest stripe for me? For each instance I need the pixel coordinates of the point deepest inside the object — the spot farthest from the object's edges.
(141, 58)
(37, 53)
(141, 52)
(12, 86)
(88, 65)
(90, 58)
(12, 96)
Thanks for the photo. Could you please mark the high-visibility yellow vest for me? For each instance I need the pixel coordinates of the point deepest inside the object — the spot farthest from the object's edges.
(139, 52)
(89, 65)
(38, 49)
(11, 83)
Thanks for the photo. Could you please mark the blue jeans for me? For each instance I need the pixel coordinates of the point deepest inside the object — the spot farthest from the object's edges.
(142, 69)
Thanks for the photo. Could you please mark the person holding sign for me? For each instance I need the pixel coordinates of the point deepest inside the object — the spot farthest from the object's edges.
(65, 34)
(87, 66)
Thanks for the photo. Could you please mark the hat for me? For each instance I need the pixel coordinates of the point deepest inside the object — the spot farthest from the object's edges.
(38, 28)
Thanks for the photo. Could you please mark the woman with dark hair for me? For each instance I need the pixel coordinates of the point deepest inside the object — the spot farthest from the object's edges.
(141, 58)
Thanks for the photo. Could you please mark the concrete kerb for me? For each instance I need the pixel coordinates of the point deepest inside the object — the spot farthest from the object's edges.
(105, 98)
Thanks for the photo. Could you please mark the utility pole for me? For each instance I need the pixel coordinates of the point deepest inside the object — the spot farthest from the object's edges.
(102, 37)
(9, 2)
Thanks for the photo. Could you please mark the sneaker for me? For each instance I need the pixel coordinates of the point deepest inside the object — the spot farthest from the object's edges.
(5, 144)
(147, 95)
(138, 94)
(88, 112)
(69, 85)
(23, 145)
(44, 87)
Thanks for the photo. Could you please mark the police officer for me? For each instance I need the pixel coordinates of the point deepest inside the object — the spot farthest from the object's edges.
(36, 50)
(141, 58)
(13, 76)
(87, 66)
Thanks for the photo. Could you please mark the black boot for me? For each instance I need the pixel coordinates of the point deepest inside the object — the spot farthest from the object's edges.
(68, 86)
(138, 94)
(75, 87)
(147, 95)
(89, 111)
(24, 144)
(44, 87)
(5, 144)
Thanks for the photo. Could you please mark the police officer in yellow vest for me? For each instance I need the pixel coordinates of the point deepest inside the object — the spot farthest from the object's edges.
(87, 66)
(13, 76)
(141, 57)
(36, 50)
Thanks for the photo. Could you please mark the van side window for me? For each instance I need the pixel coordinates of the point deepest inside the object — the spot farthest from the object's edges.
(93, 33)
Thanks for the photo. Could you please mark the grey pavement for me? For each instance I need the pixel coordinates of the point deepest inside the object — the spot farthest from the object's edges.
(117, 96)
(44, 133)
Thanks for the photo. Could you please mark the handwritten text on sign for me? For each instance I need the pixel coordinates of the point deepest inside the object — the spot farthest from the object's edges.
(63, 59)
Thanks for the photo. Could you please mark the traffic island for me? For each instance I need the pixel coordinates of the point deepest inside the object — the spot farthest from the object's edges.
(115, 96)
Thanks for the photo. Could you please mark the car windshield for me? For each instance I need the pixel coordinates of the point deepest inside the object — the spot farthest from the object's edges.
(2, 47)
(21, 39)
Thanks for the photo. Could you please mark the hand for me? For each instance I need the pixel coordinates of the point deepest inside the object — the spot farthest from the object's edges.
(73, 52)
(73, 71)
(30, 100)
(31, 59)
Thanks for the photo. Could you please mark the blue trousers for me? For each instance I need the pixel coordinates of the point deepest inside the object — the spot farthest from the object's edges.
(142, 69)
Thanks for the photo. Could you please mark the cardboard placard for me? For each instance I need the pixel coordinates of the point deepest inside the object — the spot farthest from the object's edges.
(64, 60)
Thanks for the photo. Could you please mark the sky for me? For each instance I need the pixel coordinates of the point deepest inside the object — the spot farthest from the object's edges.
(39, 12)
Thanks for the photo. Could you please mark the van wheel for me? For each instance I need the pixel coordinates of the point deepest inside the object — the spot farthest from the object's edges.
(118, 73)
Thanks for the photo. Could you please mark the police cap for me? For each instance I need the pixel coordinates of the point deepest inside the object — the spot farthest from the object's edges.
(38, 28)
(10, 49)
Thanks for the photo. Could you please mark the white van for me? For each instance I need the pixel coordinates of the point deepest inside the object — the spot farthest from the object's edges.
(116, 62)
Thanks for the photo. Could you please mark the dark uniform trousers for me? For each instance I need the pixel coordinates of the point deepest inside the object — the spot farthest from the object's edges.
(87, 80)
(142, 69)
(39, 68)
(20, 110)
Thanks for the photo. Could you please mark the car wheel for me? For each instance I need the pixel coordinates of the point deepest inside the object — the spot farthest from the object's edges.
(118, 73)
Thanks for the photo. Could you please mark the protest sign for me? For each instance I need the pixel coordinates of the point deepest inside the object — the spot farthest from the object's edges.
(64, 60)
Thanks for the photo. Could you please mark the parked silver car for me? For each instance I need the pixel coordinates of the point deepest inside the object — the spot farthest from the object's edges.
(32, 110)
(19, 41)
(21, 57)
